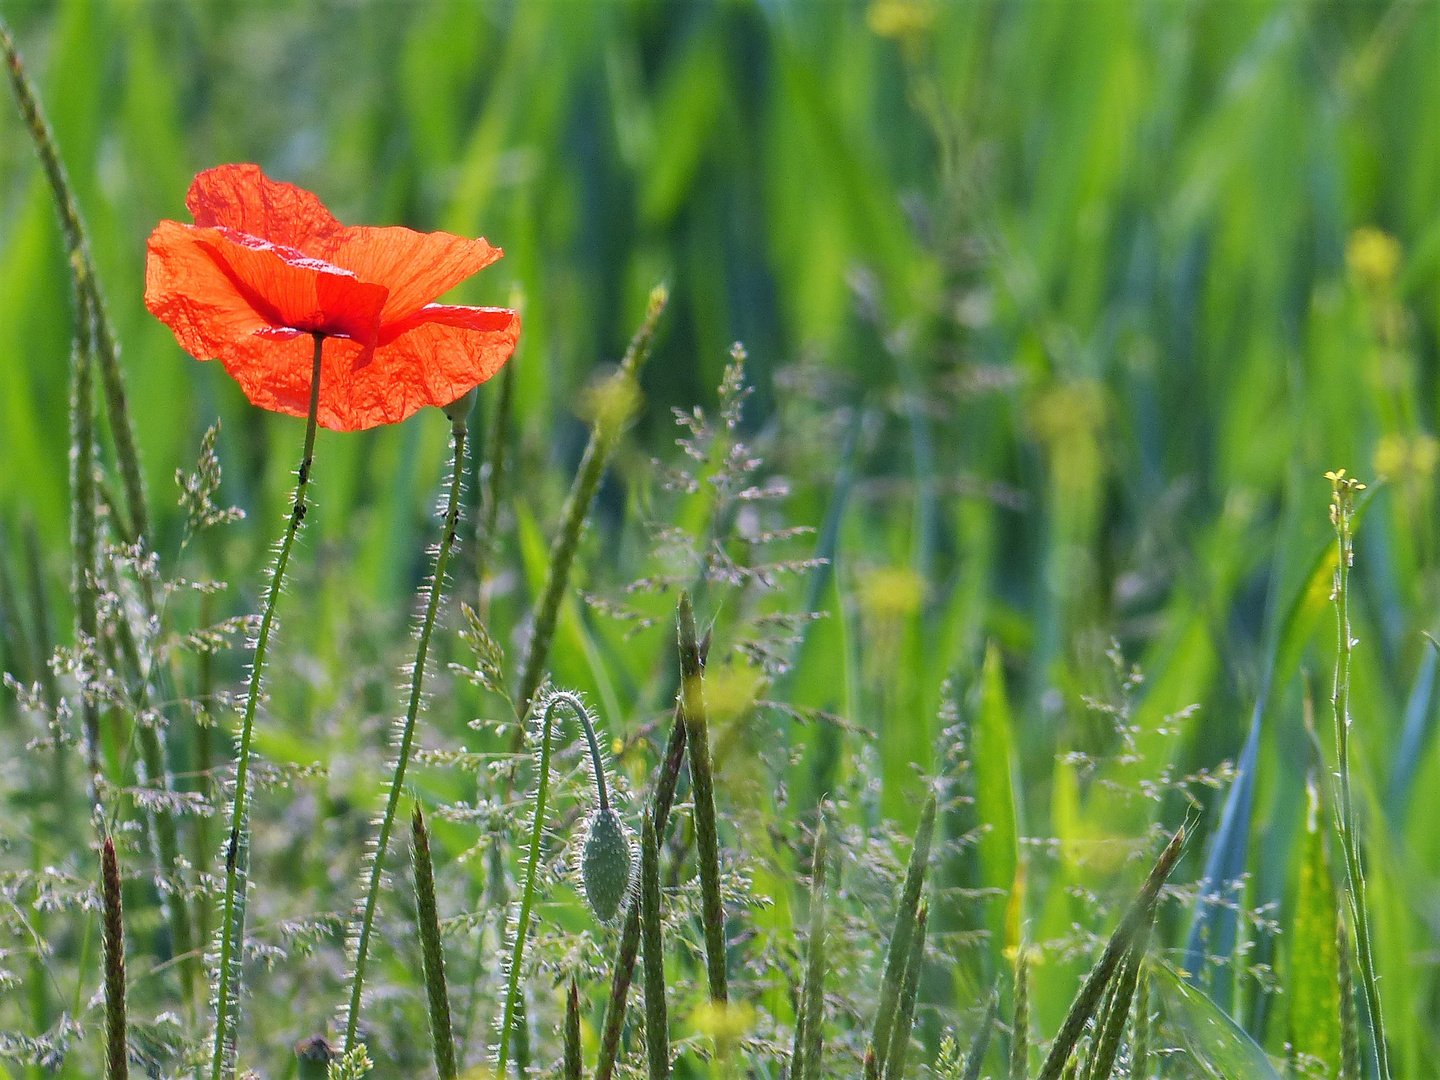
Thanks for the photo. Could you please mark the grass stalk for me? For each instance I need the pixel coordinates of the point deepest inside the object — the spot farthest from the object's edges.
(90, 299)
(574, 1067)
(624, 968)
(407, 733)
(432, 952)
(909, 995)
(980, 1042)
(1020, 1026)
(532, 866)
(1342, 517)
(657, 1024)
(1140, 1044)
(1087, 1000)
(1119, 1013)
(809, 1029)
(493, 483)
(233, 902)
(1349, 1021)
(899, 951)
(620, 394)
(117, 1059)
(702, 782)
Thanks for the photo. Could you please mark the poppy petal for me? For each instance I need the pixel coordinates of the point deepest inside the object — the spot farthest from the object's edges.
(243, 198)
(416, 267)
(432, 358)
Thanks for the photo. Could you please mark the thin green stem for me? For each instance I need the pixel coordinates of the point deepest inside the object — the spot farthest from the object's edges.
(657, 1024)
(574, 1068)
(527, 898)
(431, 949)
(1342, 515)
(407, 734)
(232, 918)
(493, 482)
(117, 1058)
(805, 1056)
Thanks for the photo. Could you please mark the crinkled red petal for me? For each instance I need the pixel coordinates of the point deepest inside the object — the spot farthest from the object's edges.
(243, 198)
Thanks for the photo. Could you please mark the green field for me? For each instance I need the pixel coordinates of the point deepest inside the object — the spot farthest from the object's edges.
(987, 428)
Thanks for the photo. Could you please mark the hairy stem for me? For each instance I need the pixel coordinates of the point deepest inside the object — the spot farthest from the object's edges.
(805, 1055)
(574, 1068)
(1020, 1027)
(909, 995)
(232, 917)
(407, 735)
(527, 897)
(657, 1024)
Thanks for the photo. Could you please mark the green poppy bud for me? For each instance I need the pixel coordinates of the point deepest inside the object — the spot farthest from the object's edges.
(605, 864)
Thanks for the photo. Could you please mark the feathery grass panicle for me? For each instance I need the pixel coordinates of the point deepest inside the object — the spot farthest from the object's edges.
(432, 952)
(117, 1058)
(702, 783)
(1349, 1020)
(1140, 1038)
(809, 1028)
(657, 1024)
(1088, 999)
(406, 731)
(624, 968)
(527, 898)
(1344, 491)
(90, 301)
(604, 435)
(233, 902)
(980, 1042)
(899, 951)
(573, 1066)
(1020, 1026)
(909, 994)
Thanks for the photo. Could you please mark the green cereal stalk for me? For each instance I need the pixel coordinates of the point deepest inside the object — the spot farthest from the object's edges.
(1087, 1000)
(707, 837)
(117, 1062)
(1119, 1014)
(1342, 517)
(1102, 1018)
(574, 1068)
(909, 994)
(90, 299)
(805, 1057)
(1349, 1022)
(431, 950)
(975, 1057)
(84, 561)
(603, 437)
(624, 969)
(204, 730)
(232, 919)
(1140, 1045)
(407, 732)
(1020, 1027)
(657, 1024)
(899, 953)
(527, 898)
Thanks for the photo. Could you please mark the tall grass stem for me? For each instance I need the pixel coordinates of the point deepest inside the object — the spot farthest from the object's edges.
(432, 951)
(117, 1057)
(657, 1024)
(909, 995)
(809, 1030)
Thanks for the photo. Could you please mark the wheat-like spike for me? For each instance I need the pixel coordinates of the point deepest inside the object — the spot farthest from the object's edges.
(809, 1029)
(1119, 1014)
(117, 1058)
(1140, 1045)
(975, 1056)
(1086, 1001)
(406, 736)
(702, 783)
(909, 994)
(899, 953)
(657, 1025)
(603, 437)
(574, 1068)
(1020, 1028)
(431, 949)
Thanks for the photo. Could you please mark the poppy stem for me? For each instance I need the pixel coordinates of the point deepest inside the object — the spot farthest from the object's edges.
(232, 919)
(407, 734)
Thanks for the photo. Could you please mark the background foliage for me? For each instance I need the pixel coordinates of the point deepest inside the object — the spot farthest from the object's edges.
(1055, 315)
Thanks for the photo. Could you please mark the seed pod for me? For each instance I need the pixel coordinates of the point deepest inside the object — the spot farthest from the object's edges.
(606, 863)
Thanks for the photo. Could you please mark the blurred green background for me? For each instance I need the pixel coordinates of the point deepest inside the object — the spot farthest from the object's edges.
(1076, 303)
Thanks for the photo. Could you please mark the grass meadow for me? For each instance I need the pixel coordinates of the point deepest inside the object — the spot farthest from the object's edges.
(943, 587)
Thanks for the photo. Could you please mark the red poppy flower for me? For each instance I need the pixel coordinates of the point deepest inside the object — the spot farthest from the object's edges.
(265, 268)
